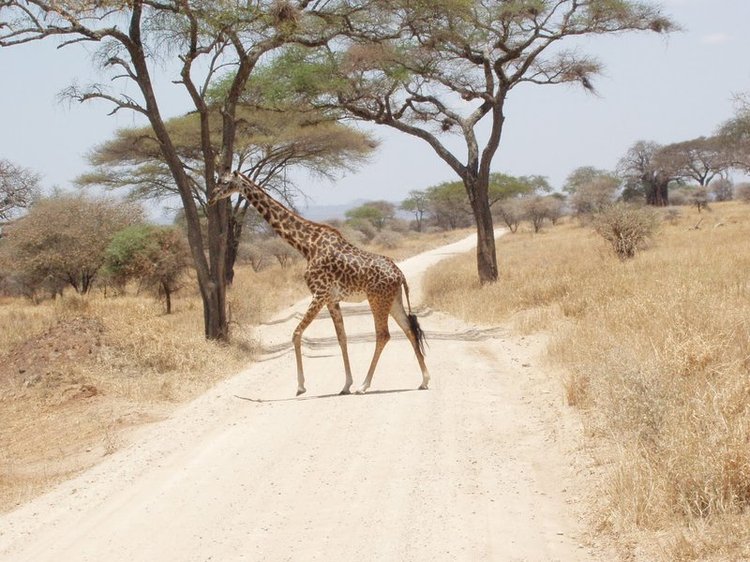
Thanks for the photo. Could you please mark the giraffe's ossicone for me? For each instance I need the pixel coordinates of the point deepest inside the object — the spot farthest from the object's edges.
(336, 271)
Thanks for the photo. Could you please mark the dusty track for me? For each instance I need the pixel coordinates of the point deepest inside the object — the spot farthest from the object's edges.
(476, 468)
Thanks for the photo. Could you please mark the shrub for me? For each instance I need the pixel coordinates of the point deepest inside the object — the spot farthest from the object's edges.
(63, 239)
(387, 239)
(365, 227)
(679, 197)
(252, 253)
(283, 252)
(626, 228)
(742, 192)
(353, 236)
(156, 256)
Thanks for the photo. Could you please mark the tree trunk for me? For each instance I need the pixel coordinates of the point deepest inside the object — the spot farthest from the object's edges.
(234, 233)
(210, 272)
(480, 206)
(167, 296)
(214, 292)
(657, 191)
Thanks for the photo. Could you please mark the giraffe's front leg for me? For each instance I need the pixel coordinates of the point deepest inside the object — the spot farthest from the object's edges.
(338, 323)
(311, 313)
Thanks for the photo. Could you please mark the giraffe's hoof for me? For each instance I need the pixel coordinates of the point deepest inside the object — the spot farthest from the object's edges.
(361, 390)
(300, 391)
(423, 386)
(345, 392)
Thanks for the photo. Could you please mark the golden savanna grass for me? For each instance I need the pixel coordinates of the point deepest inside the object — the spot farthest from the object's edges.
(77, 373)
(657, 355)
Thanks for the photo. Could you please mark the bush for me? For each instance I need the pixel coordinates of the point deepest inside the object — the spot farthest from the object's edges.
(366, 228)
(156, 256)
(679, 198)
(353, 236)
(388, 239)
(281, 250)
(63, 239)
(626, 228)
(252, 253)
(742, 192)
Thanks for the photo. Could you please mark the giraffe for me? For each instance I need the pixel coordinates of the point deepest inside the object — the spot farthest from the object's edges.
(336, 271)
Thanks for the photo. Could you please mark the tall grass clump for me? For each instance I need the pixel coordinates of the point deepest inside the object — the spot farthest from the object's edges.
(657, 355)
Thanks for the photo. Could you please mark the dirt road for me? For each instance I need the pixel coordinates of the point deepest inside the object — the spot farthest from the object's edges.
(476, 468)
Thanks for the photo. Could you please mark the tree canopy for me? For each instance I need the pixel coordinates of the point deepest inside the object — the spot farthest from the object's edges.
(432, 69)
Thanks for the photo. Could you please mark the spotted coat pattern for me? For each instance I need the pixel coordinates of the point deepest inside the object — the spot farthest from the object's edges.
(336, 271)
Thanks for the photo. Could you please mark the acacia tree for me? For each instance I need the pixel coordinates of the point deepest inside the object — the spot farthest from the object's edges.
(416, 203)
(429, 69)
(204, 40)
(18, 187)
(376, 213)
(448, 205)
(700, 159)
(267, 145)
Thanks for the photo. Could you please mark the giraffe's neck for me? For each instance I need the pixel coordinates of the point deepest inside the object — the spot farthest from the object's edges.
(287, 224)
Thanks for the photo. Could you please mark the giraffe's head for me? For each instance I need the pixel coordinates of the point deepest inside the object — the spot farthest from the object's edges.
(229, 182)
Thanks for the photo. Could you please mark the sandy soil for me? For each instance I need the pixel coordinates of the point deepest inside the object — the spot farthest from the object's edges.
(476, 468)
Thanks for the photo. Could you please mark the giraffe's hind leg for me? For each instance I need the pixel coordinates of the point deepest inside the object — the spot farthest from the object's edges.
(399, 315)
(380, 306)
(338, 323)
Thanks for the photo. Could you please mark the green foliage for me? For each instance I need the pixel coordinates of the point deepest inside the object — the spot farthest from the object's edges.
(416, 203)
(449, 205)
(377, 213)
(128, 252)
(289, 81)
(267, 143)
(155, 256)
(504, 186)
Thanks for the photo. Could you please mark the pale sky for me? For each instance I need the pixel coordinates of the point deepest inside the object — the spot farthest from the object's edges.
(657, 88)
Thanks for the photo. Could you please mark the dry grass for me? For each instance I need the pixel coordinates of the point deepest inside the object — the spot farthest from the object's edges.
(77, 374)
(657, 351)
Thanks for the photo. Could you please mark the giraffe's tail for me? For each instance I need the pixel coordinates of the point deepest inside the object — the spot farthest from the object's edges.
(414, 323)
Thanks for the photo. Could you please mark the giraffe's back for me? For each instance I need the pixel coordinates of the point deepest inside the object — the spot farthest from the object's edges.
(345, 272)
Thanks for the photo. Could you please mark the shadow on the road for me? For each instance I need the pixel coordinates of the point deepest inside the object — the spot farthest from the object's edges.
(319, 396)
